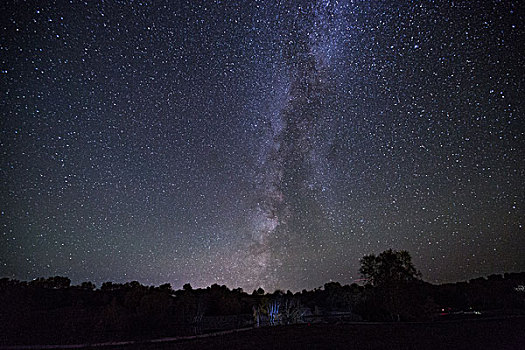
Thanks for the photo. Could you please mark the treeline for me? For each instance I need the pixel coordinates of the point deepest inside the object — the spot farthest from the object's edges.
(51, 310)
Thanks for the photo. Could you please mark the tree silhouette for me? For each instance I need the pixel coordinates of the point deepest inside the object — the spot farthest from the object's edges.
(56, 282)
(389, 268)
(391, 275)
(87, 286)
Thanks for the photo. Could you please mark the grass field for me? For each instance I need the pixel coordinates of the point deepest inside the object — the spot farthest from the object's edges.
(506, 333)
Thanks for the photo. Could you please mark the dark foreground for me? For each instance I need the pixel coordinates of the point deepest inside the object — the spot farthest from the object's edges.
(506, 333)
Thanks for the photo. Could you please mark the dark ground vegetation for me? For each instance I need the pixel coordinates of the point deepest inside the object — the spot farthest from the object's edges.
(52, 311)
(44, 312)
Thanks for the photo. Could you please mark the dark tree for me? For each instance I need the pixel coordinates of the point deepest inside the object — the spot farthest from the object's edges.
(109, 286)
(87, 285)
(391, 276)
(56, 282)
(389, 268)
(166, 287)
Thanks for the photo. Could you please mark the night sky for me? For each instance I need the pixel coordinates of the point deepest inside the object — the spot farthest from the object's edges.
(260, 143)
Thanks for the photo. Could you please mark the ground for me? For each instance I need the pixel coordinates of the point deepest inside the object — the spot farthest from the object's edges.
(508, 333)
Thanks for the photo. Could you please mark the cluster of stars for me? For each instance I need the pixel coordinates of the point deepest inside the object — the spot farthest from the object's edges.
(264, 144)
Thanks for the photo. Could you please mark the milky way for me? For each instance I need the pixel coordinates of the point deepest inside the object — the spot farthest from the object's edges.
(297, 133)
(263, 144)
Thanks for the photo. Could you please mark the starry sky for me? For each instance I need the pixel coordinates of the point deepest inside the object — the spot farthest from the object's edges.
(260, 143)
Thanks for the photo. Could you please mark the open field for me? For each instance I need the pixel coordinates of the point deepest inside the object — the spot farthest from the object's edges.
(506, 333)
